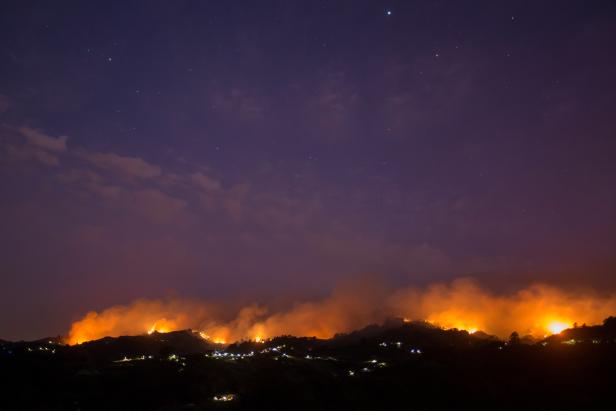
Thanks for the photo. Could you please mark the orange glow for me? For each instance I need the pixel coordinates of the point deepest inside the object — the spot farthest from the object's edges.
(161, 326)
(536, 310)
(450, 321)
(556, 327)
(140, 317)
(214, 340)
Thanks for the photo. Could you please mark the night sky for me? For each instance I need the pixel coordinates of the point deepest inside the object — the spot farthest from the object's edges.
(271, 149)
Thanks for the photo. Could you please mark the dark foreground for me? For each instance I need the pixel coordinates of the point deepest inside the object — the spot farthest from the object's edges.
(393, 367)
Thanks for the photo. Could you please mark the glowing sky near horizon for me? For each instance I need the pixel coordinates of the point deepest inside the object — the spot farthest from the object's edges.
(249, 152)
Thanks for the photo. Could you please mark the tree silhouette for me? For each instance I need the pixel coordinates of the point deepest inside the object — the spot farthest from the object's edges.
(514, 338)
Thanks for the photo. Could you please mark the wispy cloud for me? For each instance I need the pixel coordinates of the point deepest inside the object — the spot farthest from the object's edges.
(124, 166)
(24, 144)
(41, 140)
(27, 153)
(205, 182)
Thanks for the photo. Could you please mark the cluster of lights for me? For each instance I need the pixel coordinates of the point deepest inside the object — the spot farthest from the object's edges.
(141, 358)
(277, 348)
(384, 344)
(227, 355)
(311, 357)
(372, 364)
(377, 363)
(41, 348)
(398, 344)
(178, 359)
(224, 397)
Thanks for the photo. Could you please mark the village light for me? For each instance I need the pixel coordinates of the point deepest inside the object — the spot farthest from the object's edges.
(224, 397)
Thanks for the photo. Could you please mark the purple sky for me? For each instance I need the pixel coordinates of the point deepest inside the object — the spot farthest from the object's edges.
(260, 149)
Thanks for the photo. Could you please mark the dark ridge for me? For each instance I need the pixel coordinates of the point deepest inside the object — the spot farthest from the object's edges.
(413, 364)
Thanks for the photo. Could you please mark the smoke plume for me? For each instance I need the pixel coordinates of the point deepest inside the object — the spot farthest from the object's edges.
(537, 310)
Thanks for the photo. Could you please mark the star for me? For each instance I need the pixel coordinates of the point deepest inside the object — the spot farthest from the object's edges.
(388, 12)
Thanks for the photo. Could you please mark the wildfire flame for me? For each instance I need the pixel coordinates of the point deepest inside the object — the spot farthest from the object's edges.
(556, 327)
(161, 326)
(214, 340)
(538, 310)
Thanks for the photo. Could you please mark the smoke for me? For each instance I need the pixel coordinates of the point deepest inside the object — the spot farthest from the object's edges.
(138, 318)
(537, 310)
(350, 306)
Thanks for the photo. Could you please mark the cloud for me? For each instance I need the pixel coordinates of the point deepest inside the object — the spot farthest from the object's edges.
(80, 176)
(232, 201)
(282, 211)
(128, 167)
(156, 205)
(152, 204)
(205, 182)
(149, 203)
(43, 141)
(25, 152)
(38, 146)
(144, 189)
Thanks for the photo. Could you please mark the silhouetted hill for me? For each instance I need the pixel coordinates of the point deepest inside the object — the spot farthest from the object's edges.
(594, 334)
(392, 366)
(115, 348)
(417, 333)
(180, 342)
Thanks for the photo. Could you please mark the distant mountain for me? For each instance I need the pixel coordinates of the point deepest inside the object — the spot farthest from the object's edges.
(394, 331)
(114, 348)
(379, 367)
(418, 333)
(178, 342)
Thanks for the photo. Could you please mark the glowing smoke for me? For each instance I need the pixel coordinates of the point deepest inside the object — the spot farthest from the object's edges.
(537, 310)
(138, 318)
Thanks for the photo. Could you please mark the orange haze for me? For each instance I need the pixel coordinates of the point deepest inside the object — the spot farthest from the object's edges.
(537, 310)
